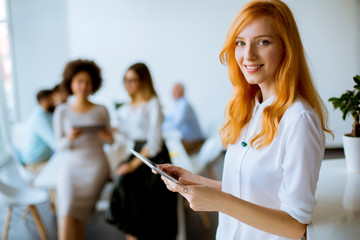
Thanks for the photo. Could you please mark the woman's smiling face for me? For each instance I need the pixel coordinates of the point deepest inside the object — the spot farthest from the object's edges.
(259, 53)
(132, 82)
(81, 84)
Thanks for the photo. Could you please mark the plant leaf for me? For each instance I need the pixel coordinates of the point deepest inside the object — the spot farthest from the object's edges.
(357, 79)
(344, 114)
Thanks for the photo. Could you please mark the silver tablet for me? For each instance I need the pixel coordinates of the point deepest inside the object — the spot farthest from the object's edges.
(154, 166)
(90, 128)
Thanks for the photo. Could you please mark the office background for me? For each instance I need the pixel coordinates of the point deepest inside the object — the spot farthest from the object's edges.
(179, 40)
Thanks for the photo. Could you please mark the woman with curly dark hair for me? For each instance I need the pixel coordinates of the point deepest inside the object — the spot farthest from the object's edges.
(81, 127)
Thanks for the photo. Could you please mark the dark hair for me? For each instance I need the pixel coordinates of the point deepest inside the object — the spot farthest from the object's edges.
(79, 65)
(43, 94)
(57, 88)
(145, 79)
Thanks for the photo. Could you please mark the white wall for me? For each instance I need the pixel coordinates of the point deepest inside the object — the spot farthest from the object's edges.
(178, 40)
(181, 40)
(40, 46)
(329, 30)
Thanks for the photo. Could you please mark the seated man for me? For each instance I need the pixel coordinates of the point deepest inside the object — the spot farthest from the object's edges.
(40, 141)
(183, 118)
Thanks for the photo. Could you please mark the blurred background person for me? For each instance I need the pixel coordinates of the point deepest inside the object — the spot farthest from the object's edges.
(140, 204)
(39, 140)
(59, 95)
(183, 118)
(85, 170)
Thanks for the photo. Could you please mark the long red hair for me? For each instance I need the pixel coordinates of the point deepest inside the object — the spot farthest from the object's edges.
(292, 78)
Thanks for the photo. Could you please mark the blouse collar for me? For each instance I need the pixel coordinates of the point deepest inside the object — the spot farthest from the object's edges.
(264, 104)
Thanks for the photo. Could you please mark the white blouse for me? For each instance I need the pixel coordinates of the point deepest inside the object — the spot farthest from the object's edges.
(282, 175)
(142, 123)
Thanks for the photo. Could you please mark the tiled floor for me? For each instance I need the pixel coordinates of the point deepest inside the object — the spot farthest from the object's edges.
(99, 229)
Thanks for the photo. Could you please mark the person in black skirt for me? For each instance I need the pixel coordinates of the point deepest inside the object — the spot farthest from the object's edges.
(141, 205)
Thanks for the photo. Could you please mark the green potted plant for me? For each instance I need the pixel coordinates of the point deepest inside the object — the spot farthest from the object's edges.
(349, 104)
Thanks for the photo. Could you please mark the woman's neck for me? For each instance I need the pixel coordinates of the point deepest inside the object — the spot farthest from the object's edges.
(81, 105)
(137, 99)
(266, 93)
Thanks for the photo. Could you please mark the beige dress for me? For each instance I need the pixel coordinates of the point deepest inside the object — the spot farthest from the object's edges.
(86, 170)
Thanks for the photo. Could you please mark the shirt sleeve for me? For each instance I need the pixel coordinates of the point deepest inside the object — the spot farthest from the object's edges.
(304, 152)
(121, 114)
(107, 121)
(44, 129)
(154, 137)
(177, 116)
(62, 142)
(106, 116)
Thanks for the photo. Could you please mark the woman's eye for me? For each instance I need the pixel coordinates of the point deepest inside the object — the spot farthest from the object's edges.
(264, 42)
(240, 43)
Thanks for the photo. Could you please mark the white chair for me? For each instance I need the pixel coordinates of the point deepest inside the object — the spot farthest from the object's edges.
(209, 152)
(104, 201)
(19, 134)
(25, 175)
(11, 196)
(181, 235)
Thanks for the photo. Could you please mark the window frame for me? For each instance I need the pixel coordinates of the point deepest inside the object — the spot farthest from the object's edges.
(5, 123)
(8, 22)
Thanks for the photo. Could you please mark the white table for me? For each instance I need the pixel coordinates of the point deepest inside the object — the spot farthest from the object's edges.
(47, 178)
(337, 214)
(178, 154)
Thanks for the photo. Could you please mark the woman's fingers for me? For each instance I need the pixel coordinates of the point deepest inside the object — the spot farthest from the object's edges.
(172, 186)
(198, 196)
(163, 167)
(105, 135)
(74, 134)
(186, 182)
(123, 169)
(169, 168)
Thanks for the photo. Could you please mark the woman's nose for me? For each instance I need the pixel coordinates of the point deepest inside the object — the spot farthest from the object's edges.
(250, 52)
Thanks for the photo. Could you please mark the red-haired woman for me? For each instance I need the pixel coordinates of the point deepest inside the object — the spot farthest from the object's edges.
(274, 132)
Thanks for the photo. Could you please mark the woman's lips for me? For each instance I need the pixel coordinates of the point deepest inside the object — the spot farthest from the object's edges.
(253, 67)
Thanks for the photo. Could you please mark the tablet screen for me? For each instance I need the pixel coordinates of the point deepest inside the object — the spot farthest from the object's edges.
(153, 165)
(90, 128)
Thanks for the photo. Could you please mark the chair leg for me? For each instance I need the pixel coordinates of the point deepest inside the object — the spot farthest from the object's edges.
(53, 204)
(203, 216)
(205, 220)
(39, 225)
(26, 212)
(7, 223)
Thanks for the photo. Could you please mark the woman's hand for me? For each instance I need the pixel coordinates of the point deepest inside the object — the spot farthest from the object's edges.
(126, 168)
(75, 133)
(200, 197)
(178, 172)
(106, 136)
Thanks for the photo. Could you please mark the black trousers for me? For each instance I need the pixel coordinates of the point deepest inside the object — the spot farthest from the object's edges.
(141, 205)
